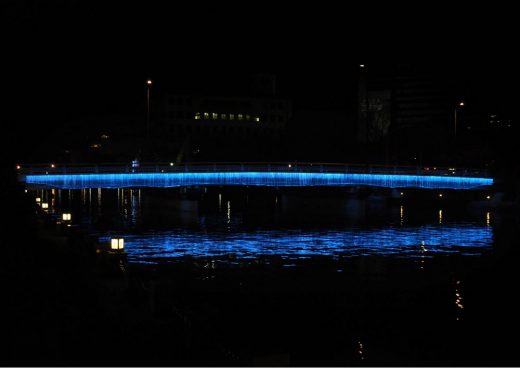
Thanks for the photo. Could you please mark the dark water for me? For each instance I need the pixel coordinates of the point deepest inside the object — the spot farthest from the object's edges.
(273, 279)
(420, 242)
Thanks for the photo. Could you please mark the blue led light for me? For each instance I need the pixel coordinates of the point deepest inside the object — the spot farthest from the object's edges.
(417, 242)
(298, 179)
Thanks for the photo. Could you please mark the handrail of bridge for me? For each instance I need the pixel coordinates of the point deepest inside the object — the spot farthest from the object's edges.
(165, 167)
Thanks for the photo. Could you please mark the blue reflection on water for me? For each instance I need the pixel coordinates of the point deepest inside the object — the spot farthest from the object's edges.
(78, 181)
(412, 242)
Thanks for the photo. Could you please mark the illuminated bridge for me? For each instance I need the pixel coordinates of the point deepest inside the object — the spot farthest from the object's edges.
(254, 174)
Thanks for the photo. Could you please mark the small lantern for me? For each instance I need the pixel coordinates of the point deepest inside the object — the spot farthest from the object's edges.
(45, 205)
(117, 243)
(66, 217)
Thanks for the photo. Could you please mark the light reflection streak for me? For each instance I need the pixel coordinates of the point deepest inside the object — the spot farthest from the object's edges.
(360, 350)
(228, 212)
(458, 300)
(423, 253)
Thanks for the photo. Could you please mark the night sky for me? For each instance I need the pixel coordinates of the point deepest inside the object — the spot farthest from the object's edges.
(70, 59)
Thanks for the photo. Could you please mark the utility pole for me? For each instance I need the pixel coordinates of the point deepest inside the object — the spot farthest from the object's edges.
(455, 120)
(148, 87)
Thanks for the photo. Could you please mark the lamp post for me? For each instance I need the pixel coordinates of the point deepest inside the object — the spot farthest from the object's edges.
(455, 119)
(148, 87)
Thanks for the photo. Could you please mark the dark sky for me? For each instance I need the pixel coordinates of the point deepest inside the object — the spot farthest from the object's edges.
(75, 58)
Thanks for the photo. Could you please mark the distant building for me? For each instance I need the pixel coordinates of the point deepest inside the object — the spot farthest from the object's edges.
(411, 108)
(111, 137)
(227, 115)
(209, 124)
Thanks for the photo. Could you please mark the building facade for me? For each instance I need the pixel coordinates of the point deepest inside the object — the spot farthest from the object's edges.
(411, 110)
(208, 127)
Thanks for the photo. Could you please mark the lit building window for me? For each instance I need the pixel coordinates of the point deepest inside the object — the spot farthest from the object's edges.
(214, 116)
(223, 116)
(197, 116)
(104, 136)
(231, 116)
(240, 117)
(257, 119)
(248, 117)
(206, 115)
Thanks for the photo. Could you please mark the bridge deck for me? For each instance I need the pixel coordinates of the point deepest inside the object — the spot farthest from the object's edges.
(302, 175)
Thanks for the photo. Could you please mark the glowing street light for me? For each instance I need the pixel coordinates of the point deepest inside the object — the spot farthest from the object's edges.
(117, 243)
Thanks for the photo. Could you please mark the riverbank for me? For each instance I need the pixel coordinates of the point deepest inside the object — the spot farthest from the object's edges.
(66, 305)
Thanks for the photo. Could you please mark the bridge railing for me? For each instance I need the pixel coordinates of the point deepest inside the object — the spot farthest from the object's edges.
(163, 167)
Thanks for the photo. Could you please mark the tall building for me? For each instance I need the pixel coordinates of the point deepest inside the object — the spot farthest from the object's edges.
(410, 108)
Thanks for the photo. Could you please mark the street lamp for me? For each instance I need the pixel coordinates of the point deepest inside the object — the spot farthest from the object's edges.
(148, 87)
(455, 120)
(117, 243)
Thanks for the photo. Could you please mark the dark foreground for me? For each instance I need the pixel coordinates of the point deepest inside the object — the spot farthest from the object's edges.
(64, 304)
